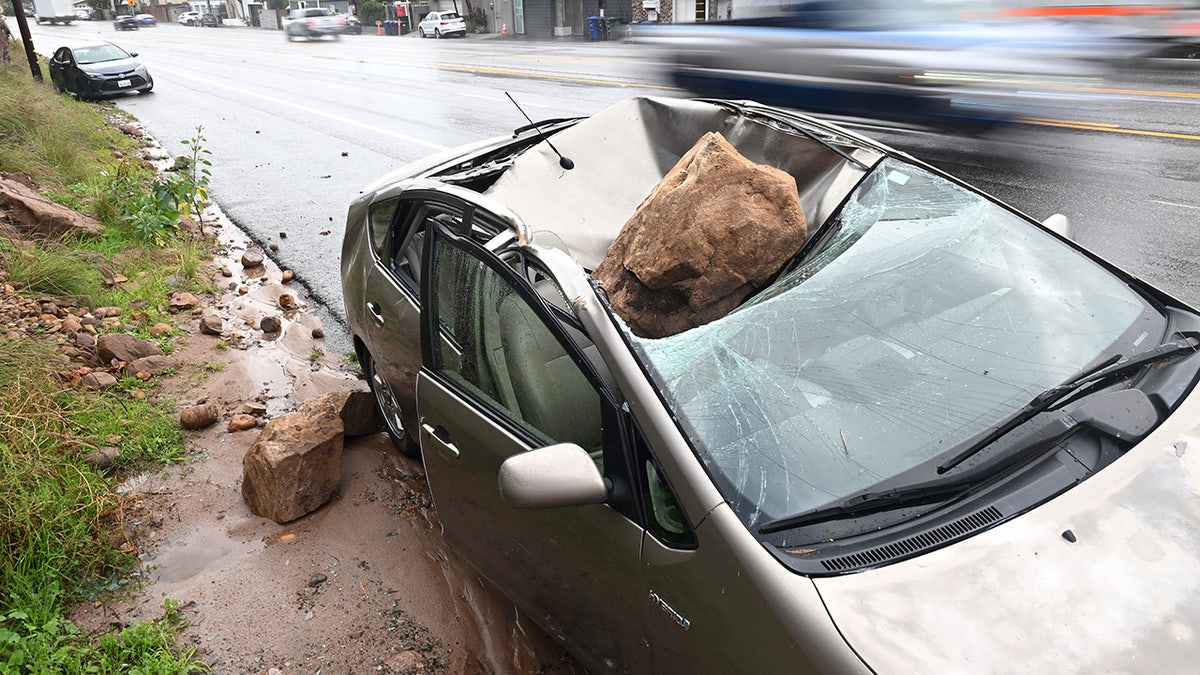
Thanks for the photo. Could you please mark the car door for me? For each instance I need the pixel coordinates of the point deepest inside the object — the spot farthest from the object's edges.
(503, 374)
(59, 66)
(392, 294)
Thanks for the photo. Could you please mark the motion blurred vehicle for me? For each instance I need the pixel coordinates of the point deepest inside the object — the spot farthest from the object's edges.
(146, 19)
(93, 70)
(83, 13)
(442, 24)
(210, 20)
(941, 434)
(53, 11)
(189, 18)
(126, 22)
(911, 64)
(313, 22)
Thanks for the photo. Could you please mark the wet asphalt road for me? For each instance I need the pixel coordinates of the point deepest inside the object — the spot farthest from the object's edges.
(296, 129)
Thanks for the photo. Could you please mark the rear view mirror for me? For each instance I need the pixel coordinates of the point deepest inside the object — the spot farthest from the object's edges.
(1059, 224)
(550, 477)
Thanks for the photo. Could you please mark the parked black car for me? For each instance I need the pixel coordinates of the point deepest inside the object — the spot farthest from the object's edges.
(353, 26)
(98, 70)
(210, 21)
(126, 23)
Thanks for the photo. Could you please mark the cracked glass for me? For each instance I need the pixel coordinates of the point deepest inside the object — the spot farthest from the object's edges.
(921, 315)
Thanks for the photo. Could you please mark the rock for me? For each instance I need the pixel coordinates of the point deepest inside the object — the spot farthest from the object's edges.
(294, 466)
(273, 246)
(149, 364)
(242, 422)
(254, 408)
(286, 301)
(287, 276)
(32, 214)
(130, 130)
(175, 281)
(318, 332)
(317, 579)
(85, 340)
(411, 661)
(99, 380)
(283, 235)
(252, 258)
(225, 271)
(714, 230)
(48, 307)
(71, 324)
(161, 330)
(463, 662)
(198, 416)
(270, 324)
(107, 312)
(181, 301)
(356, 409)
(124, 347)
(211, 324)
(102, 458)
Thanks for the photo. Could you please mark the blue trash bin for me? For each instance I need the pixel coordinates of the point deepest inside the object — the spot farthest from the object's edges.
(593, 27)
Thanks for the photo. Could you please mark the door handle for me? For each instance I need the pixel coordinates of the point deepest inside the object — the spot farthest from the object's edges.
(445, 447)
(375, 311)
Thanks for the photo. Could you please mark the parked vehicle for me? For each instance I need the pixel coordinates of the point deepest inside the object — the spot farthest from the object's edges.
(442, 24)
(94, 70)
(353, 25)
(210, 20)
(146, 19)
(189, 18)
(941, 434)
(313, 22)
(83, 13)
(907, 64)
(126, 22)
(54, 11)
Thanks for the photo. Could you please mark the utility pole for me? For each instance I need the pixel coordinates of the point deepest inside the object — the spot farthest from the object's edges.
(22, 24)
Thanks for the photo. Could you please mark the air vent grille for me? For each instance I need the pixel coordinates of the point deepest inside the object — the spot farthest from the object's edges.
(916, 543)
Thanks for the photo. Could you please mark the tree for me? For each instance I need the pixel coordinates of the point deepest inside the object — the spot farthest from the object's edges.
(277, 4)
(370, 11)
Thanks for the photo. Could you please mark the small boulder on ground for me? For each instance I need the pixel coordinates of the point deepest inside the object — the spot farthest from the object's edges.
(356, 409)
(714, 230)
(32, 214)
(124, 347)
(295, 466)
(182, 301)
(242, 422)
(149, 364)
(211, 324)
(198, 416)
(252, 258)
(99, 380)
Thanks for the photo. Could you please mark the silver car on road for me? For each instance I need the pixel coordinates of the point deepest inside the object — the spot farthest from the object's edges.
(943, 439)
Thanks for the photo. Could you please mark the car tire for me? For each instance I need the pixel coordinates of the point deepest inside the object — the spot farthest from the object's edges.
(437, 33)
(421, 33)
(388, 408)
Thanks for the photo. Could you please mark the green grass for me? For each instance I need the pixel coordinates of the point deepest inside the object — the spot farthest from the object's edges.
(56, 512)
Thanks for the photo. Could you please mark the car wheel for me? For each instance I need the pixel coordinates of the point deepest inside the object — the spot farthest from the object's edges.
(437, 33)
(388, 408)
(421, 32)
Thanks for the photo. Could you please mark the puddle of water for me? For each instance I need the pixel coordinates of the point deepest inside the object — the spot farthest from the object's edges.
(202, 550)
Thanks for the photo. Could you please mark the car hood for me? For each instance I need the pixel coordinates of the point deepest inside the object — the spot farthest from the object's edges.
(1123, 596)
(111, 67)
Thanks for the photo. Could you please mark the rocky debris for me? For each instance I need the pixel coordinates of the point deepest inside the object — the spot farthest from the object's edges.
(286, 301)
(211, 324)
(287, 276)
(182, 301)
(317, 579)
(198, 416)
(242, 422)
(130, 130)
(252, 258)
(318, 332)
(270, 324)
(356, 409)
(254, 408)
(161, 330)
(153, 365)
(124, 348)
(273, 246)
(294, 466)
(99, 380)
(32, 214)
(714, 230)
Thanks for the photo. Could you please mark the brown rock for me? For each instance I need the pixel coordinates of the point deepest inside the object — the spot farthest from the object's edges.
(71, 324)
(85, 340)
(107, 312)
(198, 416)
(211, 324)
(270, 324)
(131, 130)
(254, 408)
(273, 246)
(102, 458)
(152, 365)
(287, 276)
(98, 380)
(242, 422)
(182, 300)
(225, 271)
(252, 258)
(287, 301)
(318, 332)
(161, 330)
(356, 409)
(31, 213)
(294, 466)
(714, 230)
(124, 347)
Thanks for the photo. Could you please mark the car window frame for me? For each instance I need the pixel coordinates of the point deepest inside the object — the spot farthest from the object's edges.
(619, 467)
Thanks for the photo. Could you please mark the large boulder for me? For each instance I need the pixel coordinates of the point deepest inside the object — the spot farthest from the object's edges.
(294, 466)
(32, 214)
(713, 231)
(124, 347)
(355, 408)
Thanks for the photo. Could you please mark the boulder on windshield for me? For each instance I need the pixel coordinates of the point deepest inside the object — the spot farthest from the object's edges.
(712, 232)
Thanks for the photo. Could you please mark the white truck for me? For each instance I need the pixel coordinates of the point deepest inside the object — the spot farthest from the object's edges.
(54, 11)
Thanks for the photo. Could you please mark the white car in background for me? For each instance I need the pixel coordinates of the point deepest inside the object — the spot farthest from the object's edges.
(189, 19)
(442, 24)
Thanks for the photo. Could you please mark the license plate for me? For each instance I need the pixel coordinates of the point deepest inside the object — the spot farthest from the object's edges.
(123, 83)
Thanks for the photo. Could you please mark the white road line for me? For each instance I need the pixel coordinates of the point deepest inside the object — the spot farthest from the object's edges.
(307, 110)
(1186, 206)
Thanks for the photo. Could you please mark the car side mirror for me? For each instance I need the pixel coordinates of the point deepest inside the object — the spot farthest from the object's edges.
(132, 54)
(550, 477)
(1059, 224)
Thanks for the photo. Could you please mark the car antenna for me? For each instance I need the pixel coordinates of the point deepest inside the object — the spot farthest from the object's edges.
(564, 162)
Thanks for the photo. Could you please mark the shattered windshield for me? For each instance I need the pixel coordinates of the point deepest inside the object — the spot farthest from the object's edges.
(923, 315)
(99, 54)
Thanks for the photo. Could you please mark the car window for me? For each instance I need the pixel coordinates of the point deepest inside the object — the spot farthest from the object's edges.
(380, 217)
(498, 349)
(99, 54)
(408, 238)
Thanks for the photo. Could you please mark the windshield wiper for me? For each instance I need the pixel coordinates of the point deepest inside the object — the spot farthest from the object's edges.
(1107, 370)
(865, 503)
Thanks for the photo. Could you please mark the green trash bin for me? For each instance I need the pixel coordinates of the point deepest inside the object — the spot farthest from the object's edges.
(611, 27)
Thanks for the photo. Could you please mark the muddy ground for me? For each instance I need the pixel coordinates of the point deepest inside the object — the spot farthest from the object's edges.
(364, 584)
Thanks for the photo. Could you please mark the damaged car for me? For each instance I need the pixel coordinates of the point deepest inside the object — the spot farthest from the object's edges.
(850, 416)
